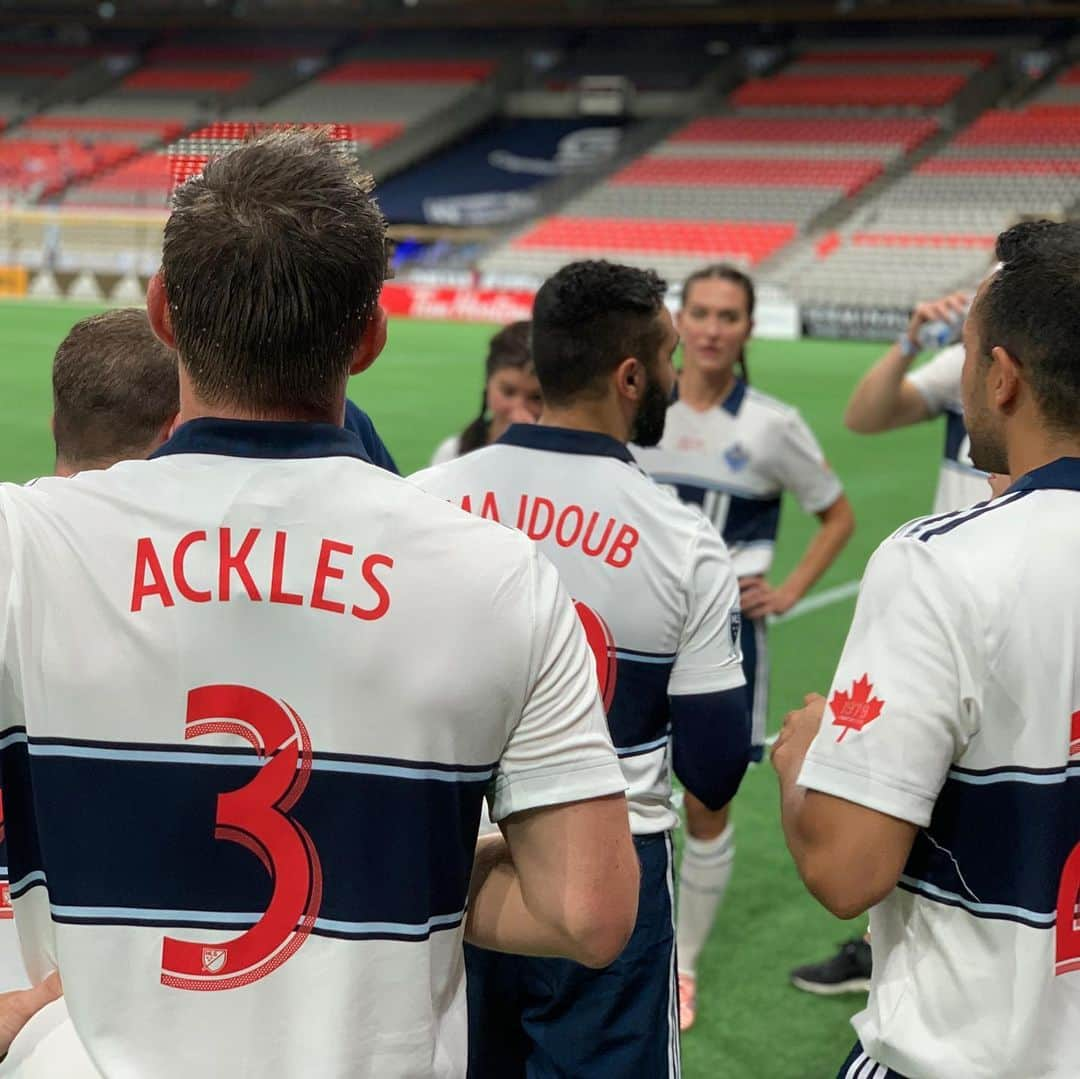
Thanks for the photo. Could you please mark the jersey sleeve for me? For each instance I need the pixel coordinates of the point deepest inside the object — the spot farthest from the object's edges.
(560, 750)
(446, 450)
(709, 658)
(903, 703)
(938, 381)
(801, 468)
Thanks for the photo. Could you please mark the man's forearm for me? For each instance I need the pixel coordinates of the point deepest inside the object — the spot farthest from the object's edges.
(822, 550)
(498, 917)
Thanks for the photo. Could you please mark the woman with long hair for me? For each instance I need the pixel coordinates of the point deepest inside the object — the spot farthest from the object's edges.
(734, 451)
(511, 393)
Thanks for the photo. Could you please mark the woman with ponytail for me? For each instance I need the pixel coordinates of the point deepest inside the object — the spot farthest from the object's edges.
(734, 451)
(511, 393)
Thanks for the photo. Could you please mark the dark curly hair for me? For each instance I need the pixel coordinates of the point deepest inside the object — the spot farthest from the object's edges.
(1030, 308)
(587, 319)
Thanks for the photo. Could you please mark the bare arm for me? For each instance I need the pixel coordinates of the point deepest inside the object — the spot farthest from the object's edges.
(849, 857)
(837, 525)
(563, 882)
(885, 398)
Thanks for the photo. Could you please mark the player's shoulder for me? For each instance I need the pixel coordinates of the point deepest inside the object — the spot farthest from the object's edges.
(447, 450)
(962, 538)
(765, 406)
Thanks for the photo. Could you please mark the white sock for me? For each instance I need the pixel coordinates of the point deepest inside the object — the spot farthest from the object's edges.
(703, 879)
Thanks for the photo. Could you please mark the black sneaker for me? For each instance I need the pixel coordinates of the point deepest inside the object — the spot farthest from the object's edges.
(846, 972)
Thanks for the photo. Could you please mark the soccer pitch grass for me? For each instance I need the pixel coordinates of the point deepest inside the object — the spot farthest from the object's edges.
(751, 1023)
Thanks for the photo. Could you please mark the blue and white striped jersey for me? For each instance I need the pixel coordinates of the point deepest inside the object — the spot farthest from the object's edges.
(956, 706)
(254, 692)
(735, 461)
(654, 570)
(960, 483)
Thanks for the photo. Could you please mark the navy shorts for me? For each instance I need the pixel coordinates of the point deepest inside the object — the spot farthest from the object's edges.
(860, 1066)
(548, 1018)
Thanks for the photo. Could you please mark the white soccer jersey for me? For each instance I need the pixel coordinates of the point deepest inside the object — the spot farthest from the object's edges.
(654, 570)
(735, 461)
(956, 706)
(253, 694)
(447, 450)
(960, 483)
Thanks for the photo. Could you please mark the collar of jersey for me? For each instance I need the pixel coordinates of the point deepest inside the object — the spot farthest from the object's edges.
(1062, 474)
(732, 403)
(263, 438)
(534, 436)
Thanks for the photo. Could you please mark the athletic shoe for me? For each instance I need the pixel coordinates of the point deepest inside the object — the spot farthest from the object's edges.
(846, 972)
(687, 1001)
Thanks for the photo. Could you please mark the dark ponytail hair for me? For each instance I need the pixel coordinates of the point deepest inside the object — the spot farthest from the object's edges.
(510, 347)
(724, 271)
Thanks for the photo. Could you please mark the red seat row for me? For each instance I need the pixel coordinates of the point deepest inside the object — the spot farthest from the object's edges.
(359, 71)
(851, 90)
(1036, 124)
(218, 79)
(751, 241)
(848, 175)
(50, 165)
(921, 239)
(905, 132)
(374, 132)
(150, 172)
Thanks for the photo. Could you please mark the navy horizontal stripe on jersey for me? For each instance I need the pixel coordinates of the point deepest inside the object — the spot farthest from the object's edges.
(127, 836)
(640, 713)
(746, 519)
(997, 843)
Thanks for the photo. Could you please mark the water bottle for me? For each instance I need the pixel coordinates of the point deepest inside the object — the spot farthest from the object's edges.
(940, 333)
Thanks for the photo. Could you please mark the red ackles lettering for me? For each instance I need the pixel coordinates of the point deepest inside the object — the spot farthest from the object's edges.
(193, 595)
(149, 576)
(277, 577)
(236, 563)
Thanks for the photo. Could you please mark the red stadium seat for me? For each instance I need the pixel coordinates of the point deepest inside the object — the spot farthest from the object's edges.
(851, 90)
(751, 241)
(849, 176)
(195, 79)
(904, 132)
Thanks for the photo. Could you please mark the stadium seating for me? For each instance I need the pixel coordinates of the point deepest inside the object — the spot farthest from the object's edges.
(768, 173)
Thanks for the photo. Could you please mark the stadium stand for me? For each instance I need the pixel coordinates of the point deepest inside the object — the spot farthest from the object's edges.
(743, 184)
(932, 231)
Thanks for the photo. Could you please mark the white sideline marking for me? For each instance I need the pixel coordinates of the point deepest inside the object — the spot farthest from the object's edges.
(819, 600)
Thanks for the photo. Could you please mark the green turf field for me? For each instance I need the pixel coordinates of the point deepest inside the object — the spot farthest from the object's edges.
(751, 1024)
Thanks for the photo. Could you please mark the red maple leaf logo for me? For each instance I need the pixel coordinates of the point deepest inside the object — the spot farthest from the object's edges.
(855, 711)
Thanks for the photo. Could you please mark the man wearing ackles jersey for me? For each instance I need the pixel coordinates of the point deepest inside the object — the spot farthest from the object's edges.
(241, 620)
(663, 603)
(734, 451)
(939, 782)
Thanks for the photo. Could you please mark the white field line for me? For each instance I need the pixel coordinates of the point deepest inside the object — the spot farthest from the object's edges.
(818, 600)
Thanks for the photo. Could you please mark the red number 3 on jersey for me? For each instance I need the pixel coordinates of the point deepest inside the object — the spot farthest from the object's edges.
(256, 817)
(603, 649)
